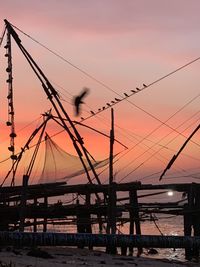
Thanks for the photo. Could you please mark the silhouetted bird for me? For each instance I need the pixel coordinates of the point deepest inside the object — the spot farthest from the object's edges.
(103, 108)
(138, 88)
(82, 118)
(117, 99)
(99, 109)
(126, 94)
(108, 104)
(92, 112)
(144, 85)
(77, 101)
(113, 102)
(133, 91)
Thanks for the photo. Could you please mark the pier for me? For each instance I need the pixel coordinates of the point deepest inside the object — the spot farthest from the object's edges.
(21, 210)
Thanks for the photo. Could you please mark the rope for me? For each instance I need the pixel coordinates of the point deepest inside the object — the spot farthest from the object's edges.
(2, 36)
(108, 87)
(156, 151)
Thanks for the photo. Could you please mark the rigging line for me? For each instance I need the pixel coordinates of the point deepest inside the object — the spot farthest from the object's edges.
(141, 164)
(154, 81)
(169, 118)
(2, 36)
(163, 139)
(153, 155)
(108, 87)
(91, 128)
(189, 170)
(158, 173)
(126, 152)
(127, 133)
(53, 156)
(138, 136)
(61, 87)
(156, 225)
(150, 175)
(174, 114)
(155, 129)
(111, 88)
(95, 79)
(188, 175)
(4, 160)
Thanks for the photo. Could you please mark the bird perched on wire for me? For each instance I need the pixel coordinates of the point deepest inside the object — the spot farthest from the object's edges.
(78, 100)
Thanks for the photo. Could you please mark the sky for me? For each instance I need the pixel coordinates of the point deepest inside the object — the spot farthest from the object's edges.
(122, 45)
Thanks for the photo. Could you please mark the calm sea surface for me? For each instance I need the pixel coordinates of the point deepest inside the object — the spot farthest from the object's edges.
(168, 225)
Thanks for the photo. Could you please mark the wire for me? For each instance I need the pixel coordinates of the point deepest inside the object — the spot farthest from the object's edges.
(108, 87)
(151, 155)
(2, 36)
(126, 152)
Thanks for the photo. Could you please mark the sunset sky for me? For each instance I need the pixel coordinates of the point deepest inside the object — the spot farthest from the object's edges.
(123, 45)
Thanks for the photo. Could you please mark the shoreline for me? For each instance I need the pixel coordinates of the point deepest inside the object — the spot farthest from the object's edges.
(67, 256)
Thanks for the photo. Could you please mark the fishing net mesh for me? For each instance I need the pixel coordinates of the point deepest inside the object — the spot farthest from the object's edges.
(62, 166)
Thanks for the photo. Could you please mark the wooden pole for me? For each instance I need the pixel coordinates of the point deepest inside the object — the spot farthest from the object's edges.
(88, 226)
(188, 220)
(136, 218)
(131, 214)
(112, 139)
(22, 213)
(111, 227)
(111, 223)
(35, 218)
(45, 217)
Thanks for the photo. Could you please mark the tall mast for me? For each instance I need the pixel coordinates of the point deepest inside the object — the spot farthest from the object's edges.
(56, 103)
(11, 114)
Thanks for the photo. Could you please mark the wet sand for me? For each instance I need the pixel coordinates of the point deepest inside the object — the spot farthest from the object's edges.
(64, 256)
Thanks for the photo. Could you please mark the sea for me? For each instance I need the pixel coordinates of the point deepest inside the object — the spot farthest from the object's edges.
(165, 225)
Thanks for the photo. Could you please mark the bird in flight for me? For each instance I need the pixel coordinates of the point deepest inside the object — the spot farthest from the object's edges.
(78, 100)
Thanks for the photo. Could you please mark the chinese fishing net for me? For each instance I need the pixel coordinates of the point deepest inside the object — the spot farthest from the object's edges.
(62, 166)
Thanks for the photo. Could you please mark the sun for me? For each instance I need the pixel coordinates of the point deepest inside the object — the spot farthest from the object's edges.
(170, 193)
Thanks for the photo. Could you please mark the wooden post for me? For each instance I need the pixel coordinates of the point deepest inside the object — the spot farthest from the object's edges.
(188, 220)
(196, 219)
(111, 222)
(131, 214)
(45, 217)
(35, 218)
(88, 225)
(22, 213)
(136, 218)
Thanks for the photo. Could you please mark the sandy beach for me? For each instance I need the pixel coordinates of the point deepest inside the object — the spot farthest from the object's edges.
(64, 256)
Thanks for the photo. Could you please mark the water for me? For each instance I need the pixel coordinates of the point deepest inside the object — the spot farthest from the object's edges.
(167, 225)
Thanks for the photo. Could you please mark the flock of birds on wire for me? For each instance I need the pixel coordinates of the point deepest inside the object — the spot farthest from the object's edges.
(78, 100)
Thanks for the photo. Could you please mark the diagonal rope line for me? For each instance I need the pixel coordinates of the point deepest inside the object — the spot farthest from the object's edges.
(163, 77)
(154, 153)
(108, 87)
(2, 36)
